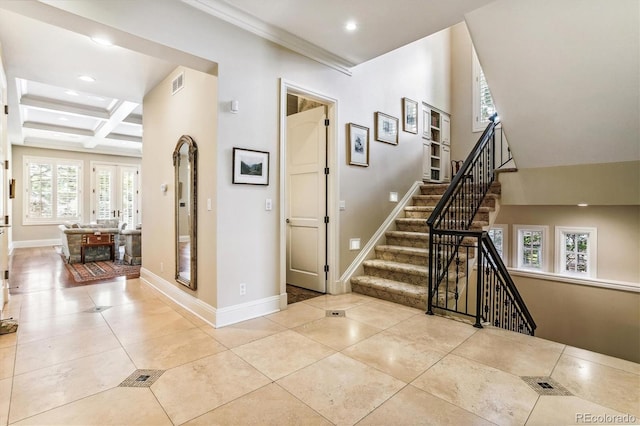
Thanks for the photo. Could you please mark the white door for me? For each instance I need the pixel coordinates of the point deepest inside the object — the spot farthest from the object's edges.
(116, 193)
(305, 199)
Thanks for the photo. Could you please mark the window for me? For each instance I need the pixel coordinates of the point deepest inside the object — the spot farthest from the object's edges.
(500, 238)
(483, 106)
(53, 190)
(530, 251)
(576, 250)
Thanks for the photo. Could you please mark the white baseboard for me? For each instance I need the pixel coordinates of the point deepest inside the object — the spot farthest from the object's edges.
(34, 243)
(216, 317)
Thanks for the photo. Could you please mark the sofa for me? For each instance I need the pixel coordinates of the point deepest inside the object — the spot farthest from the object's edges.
(71, 239)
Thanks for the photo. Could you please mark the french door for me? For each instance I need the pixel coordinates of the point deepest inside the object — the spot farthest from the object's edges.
(116, 193)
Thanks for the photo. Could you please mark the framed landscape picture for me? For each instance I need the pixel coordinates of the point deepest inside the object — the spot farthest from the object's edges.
(250, 167)
(358, 140)
(386, 128)
(409, 115)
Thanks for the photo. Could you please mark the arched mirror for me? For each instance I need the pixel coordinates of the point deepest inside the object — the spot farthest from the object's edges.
(185, 163)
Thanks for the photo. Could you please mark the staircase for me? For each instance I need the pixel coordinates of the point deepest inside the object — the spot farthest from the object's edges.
(399, 272)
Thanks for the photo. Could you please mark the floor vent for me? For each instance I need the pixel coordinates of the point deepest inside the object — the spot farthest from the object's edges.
(141, 379)
(97, 309)
(336, 313)
(546, 386)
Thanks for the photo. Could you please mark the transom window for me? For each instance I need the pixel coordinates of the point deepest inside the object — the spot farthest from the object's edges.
(531, 247)
(576, 250)
(53, 190)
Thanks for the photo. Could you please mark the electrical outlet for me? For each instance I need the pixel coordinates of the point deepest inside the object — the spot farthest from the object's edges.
(161, 267)
(243, 289)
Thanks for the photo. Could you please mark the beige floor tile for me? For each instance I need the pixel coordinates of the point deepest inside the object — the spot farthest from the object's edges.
(55, 308)
(54, 386)
(600, 384)
(58, 326)
(269, 406)
(136, 309)
(48, 352)
(534, 342)
(412, 406)
(380, 315)
(132, 329)
(5, 399)
(492, 394)
(508, 355)
(193, 318)
(297, 314)
(117, 406)
(571, 410)
(172, 350)
(341, 301)
(281, 354)
(244, 332)
(341, 389)
(7, 340)
(398, 356)
(621, 364)
(119, 293)
(193, 389)
(441, 333)
(337, 333)
(7, 360)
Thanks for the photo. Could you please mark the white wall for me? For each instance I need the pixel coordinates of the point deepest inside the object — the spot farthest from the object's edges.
(249, 69)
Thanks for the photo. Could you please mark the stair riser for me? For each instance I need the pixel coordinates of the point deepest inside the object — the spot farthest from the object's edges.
(402, 257)
(414, 302)
(408, 242)
(428, 200)
(412, 214)
(433, 189)
(412, 227)
(396, 276)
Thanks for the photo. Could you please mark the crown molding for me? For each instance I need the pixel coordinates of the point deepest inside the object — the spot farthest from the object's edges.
(231, 14)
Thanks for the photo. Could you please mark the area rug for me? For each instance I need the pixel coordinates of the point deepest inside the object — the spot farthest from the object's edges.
(91, 271)
(297, 294)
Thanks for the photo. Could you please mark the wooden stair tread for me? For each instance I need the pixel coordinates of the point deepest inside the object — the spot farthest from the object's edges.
(403, 249)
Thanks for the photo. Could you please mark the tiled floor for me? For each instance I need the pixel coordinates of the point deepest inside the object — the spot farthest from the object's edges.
(382, 364)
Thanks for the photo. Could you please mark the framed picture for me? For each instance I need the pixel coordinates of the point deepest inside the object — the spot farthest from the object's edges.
(386, 128)
(250, 167)
(358, 139)
(409, 115)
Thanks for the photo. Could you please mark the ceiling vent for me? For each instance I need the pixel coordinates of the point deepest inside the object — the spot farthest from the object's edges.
(177, 83)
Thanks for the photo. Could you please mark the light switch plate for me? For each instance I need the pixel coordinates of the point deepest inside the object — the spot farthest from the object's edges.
(343, 205)
(209, 204)
(354, 244)
(268, 205)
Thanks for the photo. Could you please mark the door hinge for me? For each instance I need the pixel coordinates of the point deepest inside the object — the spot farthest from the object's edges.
(6, 164)
(93, 212)
(326, 219)
(326, 122)
(326, 268)
(6, 275)
(6, 220)
(326, 170)
(6, 110)
(94, 169)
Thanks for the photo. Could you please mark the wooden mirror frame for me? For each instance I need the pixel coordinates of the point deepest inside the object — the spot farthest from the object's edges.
(193, 207)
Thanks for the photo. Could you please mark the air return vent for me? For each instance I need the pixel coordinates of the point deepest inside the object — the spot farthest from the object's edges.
(177, 83)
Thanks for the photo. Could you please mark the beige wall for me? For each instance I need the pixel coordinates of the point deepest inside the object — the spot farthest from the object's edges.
(597, 319)
(191, 111)
(618, 233)
(22, 232)
(594, 184)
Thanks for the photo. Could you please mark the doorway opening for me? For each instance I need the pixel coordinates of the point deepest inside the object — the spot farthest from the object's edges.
(307, 171)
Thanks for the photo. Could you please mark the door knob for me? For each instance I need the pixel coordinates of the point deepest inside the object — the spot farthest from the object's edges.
(288, 221)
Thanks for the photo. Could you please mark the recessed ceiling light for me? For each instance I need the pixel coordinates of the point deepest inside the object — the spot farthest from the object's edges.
(95, 98)
(71, 92)
(583, 205)
(87, 78)
(63, 119)
(101, 41)
(351, 26)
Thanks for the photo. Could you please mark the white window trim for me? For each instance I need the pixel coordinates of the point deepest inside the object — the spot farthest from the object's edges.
(516, 253)
(476, 124)
(592, 251)
(26, 160)
(505, 241)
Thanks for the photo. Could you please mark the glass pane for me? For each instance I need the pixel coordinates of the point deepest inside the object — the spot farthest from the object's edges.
(487, 108)
(105, 182)
(68, 196)
(40, 190)
(128, 194)
(582, 263)
(583, 240)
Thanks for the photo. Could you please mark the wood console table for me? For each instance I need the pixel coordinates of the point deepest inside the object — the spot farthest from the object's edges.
(97, 240)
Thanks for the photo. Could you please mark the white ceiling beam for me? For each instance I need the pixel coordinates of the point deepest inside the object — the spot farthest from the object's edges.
(65, 107)
(120, 137)
(121, 111)
(133, 119)
(56, 128)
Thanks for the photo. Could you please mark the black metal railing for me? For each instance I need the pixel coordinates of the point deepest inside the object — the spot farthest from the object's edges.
(453, 248)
